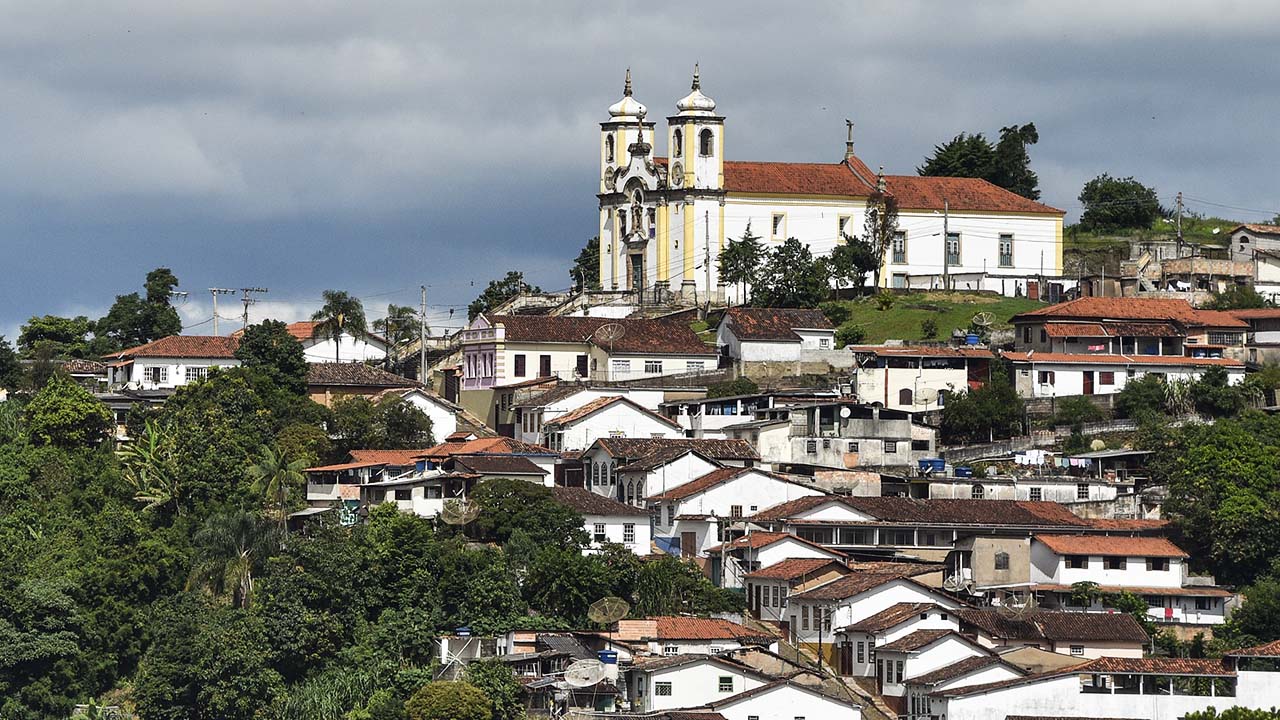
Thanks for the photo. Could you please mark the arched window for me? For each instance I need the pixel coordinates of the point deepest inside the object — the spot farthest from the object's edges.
(613, 469)
(608, 148)
(978, 492)
(704, 143)
(905, 397)
(942, 397)
(677, 143)
(595, 473)
(1002, 561)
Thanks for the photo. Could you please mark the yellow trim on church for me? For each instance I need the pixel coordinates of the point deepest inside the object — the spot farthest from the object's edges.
(687, 212)
(664, 247)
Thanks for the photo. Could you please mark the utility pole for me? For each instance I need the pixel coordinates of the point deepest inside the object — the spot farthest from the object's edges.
(706, 241)
(1179, 216)
(422, 338)
(946, 245)
(216, 292)
(249, 301)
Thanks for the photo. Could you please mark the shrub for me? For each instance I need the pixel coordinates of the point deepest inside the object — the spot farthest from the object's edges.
(885, 300)
(928, 328)
(850, 335)
(837, 312)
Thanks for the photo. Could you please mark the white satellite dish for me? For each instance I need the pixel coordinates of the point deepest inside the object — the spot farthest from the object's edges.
(584, 673)
(1217, 230)
(1018, 607)
(927, 396)
(459, 512)
(608, 610)
(845, 412)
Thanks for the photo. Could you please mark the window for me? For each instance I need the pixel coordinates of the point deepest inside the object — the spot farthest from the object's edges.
(671, 514)
(977, 492)
(706, 143)
(1026, 335)
(1082, 491)
(1077, 562)
(725, 684)
(677, 143)
(777, 599)
(735, 512)
(715, 649)
(1115, 563)
(1106, 377)
(1044, 336)
(811, 446)
(1226, 338)
(898, 667)
(653, 223)
(598, 532)
(890, 447)
(196, 374)
(1002, 561)
(842, 228)
(628, 533)
(1037, 494)
(1046, 377)
(519, 366)
(1006, 250)
(853, 446)
(653, 367)
(662, 688)
(695, 366)
(1077, 651)
(1158, 564)
(824, 343)
(804, 617)
(953, 248)
(156, 374)
(1204, 603)
(905, 397)
(608, 148)
(622, 222)
(779, 226)
(920, 445)
(620, 367)
(861, 652)
(900, 247)
(826, 619)
(580, 366)
(404, 493)
(544, 366)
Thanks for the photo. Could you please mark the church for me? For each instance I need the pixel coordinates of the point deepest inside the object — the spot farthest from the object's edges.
(664, 220)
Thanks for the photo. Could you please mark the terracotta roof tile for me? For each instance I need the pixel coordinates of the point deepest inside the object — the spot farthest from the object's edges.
(184, 346)
(893, 615)
(1139, 309)
(355, 374)
(491, 445)
(774, 324)
(1256, 314)
(960, 194)
(960, 669)
(637, 448)
(495, 465)
(395, 458)
(852, 584)
(1111, 545)
(602, 403)
(795, 568)
(1258, 228)
(1186, 591)
(674, 627)
(783, 178)
(657, 337)
(1055, 625)
(916, 640)
(1271, 649)
(585, 502)
(1157, 665)
(1105, 359)
(719, 476)
(921, 351)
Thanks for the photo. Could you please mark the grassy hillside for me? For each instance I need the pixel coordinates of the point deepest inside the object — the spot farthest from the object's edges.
(949, 310)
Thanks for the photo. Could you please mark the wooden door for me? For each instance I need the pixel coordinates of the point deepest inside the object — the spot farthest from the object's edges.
(688, 544)
(1088, 382)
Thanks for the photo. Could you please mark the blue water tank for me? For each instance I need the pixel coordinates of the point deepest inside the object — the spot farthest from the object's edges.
(608, 657)
(971, 339)
(964, 472)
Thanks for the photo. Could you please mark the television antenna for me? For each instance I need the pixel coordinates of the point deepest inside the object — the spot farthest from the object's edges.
(457, 511)
(584, 673)
(1017, 606)
(609, 333)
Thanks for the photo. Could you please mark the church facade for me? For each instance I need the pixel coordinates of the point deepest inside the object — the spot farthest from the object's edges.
(664, 219)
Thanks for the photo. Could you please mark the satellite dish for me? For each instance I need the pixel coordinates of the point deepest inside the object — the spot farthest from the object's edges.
(584, 673)
(845, 412)
(1018, 607)
(983, 319)
(609, 333)
(608, 610)
(459, 512)
(1217, 230)
(956, 584)
(927, 396)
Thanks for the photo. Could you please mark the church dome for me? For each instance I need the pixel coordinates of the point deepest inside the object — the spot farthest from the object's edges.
(695, 103)
(628, 108)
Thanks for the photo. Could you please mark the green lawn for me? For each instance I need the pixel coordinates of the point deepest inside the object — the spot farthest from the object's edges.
(1194, 229)
(949, 310)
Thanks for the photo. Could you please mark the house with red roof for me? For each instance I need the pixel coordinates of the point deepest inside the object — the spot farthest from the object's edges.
(170, 362)
(752, 334)
(319, 348)
(661, 217)
(770, 587)
(608, 416)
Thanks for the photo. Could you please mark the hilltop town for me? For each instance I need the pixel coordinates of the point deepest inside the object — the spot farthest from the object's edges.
(803, 440)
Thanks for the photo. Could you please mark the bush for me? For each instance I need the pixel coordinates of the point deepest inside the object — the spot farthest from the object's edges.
(1076, 411)
(850, 335)
(1142, 397)
(444, 700)
(737, 386)
(928, 328)
(837, 312)
(885, 300)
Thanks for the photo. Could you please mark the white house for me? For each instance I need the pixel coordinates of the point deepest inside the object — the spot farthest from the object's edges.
(656, 464)
(552, 403)
(681, 634)
(730, 493)
(711, 417)
(758, 550)
(770, 588)
(976, 670)
(858, 642)
(910, 378)
(1153, 568)
(1049, 374)
(920, 652)
(774, 334)
(682, 680)
(608, 521)
(170, 362)
(608, 416)
(368, 347)
(785, 699)
(1076, 634)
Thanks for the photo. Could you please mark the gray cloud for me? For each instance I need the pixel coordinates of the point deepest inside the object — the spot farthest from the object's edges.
(374, 147)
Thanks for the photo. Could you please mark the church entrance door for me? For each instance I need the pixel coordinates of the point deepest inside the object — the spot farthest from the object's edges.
(637, 272)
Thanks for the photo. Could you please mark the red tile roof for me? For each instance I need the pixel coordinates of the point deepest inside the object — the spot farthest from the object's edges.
(1187, 591)
(355, 374)
(1271, 649)
(921, 351)
(916, 640)
(962, 668)
(757, 540)
(345, 466)
(1257, 228)
(960, 194)
(601, 403)
(1111, 545)
(774, 324)
(719, 476)
(716, 449)
(1140, 309)
(184, 346)
(672, 627)
(493, 445)
(1108, 359)
(935, 511)
(482, 464)
(395, 458)
(796, 568)
(585, 502)
(1129, 524)
(1157, 666)
(655, 337)
(1054, 625)
(850, 585)
(895, 614)
(1255, 314)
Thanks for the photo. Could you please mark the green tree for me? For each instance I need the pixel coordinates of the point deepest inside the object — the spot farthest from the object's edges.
(965, 155)
(1077, 410)
(269, 348)
(1257, 620)
(671, 586)
(508, 505)
(1237, 297)
(500, 291)
(741, 260)
(66, 415)
(1214, 395)
(40, 628)
(227, 552)
(791, 278)
(879, 228)
(850, 334)
(1011, 165)
(391, 423)
(60, 337)
(1085, 593)
(10, 366)
(1128, 602)
(279, 481)
(738, 386)
(990, 412)
(1141, 397)
(400, 328)
(341, 314)
(1234, 712)
(444, 700)
(1117, 203)
(586, 267)
(148, 465)
(850, 262)
(135, 320)
(495, 680)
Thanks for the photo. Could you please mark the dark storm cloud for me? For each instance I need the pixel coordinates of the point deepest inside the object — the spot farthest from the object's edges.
(374, 147)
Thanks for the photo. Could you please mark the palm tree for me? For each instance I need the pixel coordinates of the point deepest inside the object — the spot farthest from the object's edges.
(342, 313)
(399, 327)
(273, 474)
(227, 550)
(147, 464)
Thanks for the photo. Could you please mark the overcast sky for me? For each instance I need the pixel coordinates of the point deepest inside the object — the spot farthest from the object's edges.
(374, 147)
